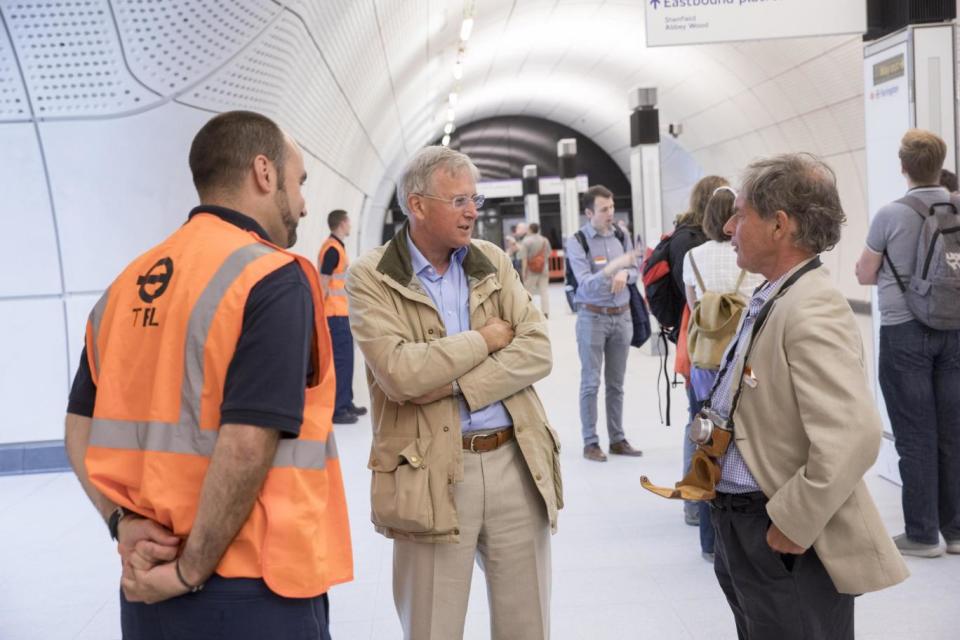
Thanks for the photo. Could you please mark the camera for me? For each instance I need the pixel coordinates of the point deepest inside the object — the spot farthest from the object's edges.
(701, 429)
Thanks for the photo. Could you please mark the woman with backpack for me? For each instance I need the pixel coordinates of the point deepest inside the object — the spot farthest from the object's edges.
(717, 290)
(668, 301)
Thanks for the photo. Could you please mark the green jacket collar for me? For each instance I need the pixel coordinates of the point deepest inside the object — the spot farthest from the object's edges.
(397, 264)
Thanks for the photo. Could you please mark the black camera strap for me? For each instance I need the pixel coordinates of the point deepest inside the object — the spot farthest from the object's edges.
(757, 326)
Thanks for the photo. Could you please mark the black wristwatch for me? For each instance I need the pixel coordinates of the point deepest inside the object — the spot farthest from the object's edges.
(113, 522)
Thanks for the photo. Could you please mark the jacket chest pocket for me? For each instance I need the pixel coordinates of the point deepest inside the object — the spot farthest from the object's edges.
(485, 304)
(400, 486)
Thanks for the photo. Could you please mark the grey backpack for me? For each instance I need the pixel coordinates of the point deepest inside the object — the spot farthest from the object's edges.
(933, 293)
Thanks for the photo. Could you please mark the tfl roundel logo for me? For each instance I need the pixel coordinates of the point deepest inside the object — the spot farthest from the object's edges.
(655, 4)
(155, 281)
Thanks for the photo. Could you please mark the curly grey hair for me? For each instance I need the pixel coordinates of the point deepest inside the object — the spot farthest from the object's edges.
(417, 176)
(805, 188)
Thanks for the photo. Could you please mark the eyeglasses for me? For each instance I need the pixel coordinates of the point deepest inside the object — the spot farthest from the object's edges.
(460, 202)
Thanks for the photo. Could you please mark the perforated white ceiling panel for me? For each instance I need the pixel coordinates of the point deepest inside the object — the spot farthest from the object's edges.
(349, 36)
(71, 58)
(13, 98)
(283, 75)
(172, 43)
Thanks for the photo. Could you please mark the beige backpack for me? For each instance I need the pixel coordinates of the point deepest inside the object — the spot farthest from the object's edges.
(713, 323)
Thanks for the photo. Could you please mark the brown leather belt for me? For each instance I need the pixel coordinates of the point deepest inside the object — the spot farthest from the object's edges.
(607, 311)
(484, 442)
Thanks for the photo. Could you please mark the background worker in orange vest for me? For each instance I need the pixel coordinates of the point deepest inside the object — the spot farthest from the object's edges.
(199, 422)
(333, 278)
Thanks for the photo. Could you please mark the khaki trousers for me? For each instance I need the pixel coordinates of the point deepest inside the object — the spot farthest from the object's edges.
(539, 284)
(504, 527)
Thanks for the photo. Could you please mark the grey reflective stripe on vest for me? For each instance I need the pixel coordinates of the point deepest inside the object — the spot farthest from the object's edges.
(176, 438)
(96, 317)
(339, 276)
(199, 326)
(337, 292)
(186, 436)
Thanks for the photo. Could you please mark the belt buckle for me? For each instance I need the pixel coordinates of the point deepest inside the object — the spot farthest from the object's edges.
(473, 440)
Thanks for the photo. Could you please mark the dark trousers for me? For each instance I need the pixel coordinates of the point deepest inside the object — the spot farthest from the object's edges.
(342, 361)
(773, 596)
(919, 372)
(227, 609)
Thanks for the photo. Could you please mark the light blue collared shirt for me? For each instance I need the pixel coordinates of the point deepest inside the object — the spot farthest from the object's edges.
(593, 287)
(450, 293)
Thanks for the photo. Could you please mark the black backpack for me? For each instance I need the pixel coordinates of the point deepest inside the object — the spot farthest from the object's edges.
(664, 297)
(638, 308)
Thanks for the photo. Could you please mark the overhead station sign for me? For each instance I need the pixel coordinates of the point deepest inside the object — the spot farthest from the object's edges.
(679, 22)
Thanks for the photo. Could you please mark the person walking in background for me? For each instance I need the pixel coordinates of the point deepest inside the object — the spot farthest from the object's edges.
(535, 266)
(515, 248)
(711, 266)
(199, 418)
(333, 277)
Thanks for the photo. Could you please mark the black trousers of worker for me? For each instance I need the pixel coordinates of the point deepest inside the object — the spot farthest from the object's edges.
(342, 341)
(773, 596)
(227, 609)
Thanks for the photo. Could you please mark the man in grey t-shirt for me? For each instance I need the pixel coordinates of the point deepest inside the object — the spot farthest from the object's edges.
(895, 230)
(919, 367)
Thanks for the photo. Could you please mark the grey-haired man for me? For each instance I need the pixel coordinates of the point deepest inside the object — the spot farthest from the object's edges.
(465, 466)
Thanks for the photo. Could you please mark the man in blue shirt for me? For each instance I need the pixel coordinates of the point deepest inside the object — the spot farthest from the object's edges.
(604, 324)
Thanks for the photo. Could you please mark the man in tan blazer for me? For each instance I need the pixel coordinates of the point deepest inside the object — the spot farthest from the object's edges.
(798, 534)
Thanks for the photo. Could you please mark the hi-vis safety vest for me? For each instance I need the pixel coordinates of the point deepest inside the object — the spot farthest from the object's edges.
(159, 343)
(335, 285)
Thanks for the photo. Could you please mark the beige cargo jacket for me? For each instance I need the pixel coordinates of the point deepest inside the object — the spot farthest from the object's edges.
(416, 455)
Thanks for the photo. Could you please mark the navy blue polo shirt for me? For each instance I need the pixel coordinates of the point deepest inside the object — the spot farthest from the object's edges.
(266, 380)
(331, 258)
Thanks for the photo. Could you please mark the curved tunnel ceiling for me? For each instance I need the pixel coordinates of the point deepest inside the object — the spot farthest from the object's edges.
(363, 84)
(502, 145)
(99, 100)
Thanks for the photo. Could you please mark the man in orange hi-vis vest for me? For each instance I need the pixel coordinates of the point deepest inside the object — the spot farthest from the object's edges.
(333, 264)
(199, 423)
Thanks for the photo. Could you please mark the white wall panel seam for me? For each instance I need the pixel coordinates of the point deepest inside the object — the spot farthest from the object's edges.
(777, 123)
(795, 67)
(336, 81)
(305, 147)
(46, 179)
(393, 89)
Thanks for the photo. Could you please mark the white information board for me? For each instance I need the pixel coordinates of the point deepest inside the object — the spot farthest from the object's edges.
(678, 22)
(887, 115)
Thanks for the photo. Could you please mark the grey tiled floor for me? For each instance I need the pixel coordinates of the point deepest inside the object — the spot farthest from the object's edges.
(624, 564)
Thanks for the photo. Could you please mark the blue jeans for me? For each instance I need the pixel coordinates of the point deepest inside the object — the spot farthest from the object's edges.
(603, 342)
(227, 609)
(342, 341)
(707, 535)
(920, 379)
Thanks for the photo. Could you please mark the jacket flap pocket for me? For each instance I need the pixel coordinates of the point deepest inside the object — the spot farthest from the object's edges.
(389, 453)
